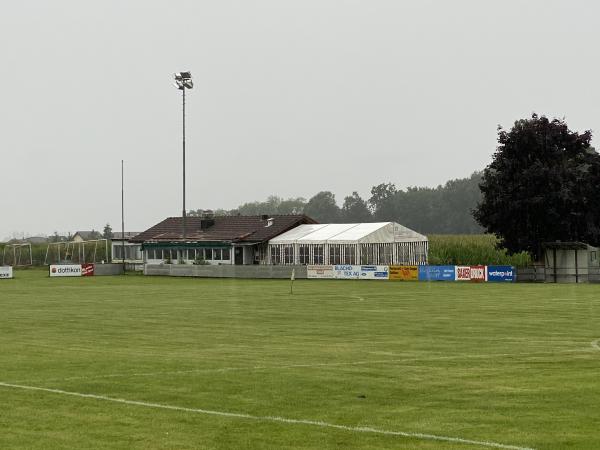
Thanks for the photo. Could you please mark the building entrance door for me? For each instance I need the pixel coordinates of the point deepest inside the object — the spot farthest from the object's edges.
(238, 254)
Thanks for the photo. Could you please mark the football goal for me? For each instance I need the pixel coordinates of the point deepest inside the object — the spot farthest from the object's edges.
(17, 255)
(77, 252)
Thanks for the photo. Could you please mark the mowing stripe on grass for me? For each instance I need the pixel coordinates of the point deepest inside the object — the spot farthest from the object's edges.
(302, 366)
(317, 423)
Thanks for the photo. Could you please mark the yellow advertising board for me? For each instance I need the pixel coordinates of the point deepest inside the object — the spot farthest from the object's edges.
(405, 273)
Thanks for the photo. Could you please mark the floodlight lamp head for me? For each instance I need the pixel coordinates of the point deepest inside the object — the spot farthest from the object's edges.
(183, 80)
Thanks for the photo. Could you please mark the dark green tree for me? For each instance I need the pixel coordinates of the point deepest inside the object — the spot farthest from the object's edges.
(355, 209)
(380, 200)
(107, 232)
(323, 208)
(541, 186)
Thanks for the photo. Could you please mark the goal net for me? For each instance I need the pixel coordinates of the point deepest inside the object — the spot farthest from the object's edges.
(17, 255)
(82, 252)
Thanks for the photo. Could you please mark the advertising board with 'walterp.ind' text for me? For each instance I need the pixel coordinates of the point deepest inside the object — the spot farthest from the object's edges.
(501, 274)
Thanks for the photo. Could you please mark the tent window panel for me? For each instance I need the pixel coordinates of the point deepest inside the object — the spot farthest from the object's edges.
(349, 254)
(367, 254)
(275, 255)
(335, 255)
(304, 254)
(288, 254)
(385, 254)
(318, 254)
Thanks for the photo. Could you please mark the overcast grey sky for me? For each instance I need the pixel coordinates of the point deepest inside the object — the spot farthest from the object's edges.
(290, 97)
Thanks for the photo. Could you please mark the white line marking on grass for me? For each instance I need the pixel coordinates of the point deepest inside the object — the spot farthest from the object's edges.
(317, 423)
(596, 344)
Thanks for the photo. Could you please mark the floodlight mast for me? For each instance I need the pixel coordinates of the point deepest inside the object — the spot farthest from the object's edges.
(183, 81)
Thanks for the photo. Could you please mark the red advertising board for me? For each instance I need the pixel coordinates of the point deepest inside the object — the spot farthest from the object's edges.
(463, 273)
(470, 273)
(477, 273)
(87, 270)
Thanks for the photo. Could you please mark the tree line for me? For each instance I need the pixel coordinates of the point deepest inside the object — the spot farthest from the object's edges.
(445, 209)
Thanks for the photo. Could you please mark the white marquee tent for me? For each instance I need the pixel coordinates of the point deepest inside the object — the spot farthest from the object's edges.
(382, 243)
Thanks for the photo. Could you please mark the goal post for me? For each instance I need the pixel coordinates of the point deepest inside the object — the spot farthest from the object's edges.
(77, 252)
(17, 255)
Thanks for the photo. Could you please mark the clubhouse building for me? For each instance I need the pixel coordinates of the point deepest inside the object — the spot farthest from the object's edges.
(279, 240)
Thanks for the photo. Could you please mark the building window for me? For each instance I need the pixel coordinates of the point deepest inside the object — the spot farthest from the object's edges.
(226, 254)
(217, 254)
(208, 255)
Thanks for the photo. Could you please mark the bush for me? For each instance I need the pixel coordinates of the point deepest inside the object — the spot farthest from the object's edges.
(472, 250)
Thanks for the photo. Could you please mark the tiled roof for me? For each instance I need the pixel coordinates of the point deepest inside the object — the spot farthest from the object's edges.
(85, 234)
(128, 234)
(225, 228)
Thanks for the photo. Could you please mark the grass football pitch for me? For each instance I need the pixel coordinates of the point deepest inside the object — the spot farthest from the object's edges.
(137, 362)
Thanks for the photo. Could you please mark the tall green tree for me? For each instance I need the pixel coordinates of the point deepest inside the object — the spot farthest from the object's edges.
(541, 186)
(379, 202)
(355, 209)
(107, 232)
(323, 208)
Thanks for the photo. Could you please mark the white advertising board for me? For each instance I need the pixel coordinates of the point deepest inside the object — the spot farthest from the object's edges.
(319, 271)
(6, 272)
(65, 270)
(346, 272)
(374, 272)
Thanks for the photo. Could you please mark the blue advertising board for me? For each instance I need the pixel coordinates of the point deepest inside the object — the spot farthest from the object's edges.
(501, 274)
(437, 273)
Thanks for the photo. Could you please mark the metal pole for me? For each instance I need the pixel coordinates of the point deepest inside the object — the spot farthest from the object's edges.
(183, 215)
(122, 216)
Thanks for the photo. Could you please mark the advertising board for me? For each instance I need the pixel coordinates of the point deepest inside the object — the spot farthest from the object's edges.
(470, 273)
(437, 273)
(505, 274)
(6, 272)
(87, 270)
(346, 272)
(406, 273)
(478, 273)
(319, 271)
(65, 270)
(374, 272)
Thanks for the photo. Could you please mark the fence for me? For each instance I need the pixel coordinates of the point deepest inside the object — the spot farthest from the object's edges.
(534, 274)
